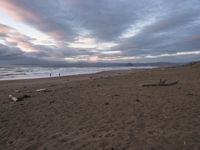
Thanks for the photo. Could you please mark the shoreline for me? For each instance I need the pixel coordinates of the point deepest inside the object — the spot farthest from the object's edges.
(106, 110)
(82, 74)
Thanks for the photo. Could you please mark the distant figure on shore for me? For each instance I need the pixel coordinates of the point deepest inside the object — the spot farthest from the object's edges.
(59, 74)
(50, 74)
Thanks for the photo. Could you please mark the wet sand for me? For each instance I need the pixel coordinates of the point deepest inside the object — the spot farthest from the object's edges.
(103, 111)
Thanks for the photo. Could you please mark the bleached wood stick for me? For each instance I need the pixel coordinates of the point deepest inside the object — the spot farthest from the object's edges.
(161, 83)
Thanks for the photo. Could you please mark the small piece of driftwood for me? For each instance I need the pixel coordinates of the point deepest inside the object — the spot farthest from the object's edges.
(18, 98)
(41, 90)
(15, 99)
(161, 83)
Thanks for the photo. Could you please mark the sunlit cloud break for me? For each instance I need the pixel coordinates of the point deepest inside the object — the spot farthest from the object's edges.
(175, 54)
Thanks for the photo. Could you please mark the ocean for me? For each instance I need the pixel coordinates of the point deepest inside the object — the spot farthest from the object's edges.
(30, 72)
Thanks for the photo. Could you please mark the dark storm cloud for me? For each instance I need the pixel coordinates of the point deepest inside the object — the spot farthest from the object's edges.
(163, 27)
(168, 34)
(7, 53)
(12, 55)
(61, 53)
(107, 19)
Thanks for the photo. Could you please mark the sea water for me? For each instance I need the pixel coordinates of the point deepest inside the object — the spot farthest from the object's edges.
(30, 72)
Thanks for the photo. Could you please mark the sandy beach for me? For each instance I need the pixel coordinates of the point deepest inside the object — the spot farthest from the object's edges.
(103, 111)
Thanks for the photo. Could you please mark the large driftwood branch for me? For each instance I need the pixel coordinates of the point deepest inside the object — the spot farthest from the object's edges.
(161, 83)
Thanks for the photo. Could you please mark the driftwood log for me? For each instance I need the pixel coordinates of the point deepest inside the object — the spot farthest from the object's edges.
(161, 83)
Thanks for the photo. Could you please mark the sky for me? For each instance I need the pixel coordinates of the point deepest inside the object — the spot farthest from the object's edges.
(50, 31)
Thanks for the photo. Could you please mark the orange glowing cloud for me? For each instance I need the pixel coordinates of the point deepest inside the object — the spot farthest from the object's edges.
(23, 44)
(26, 46)
(57, 35)
(17, 12)
(12, 36)
(4, 29)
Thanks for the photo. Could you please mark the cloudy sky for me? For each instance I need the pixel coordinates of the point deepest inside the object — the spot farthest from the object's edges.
(99, 31)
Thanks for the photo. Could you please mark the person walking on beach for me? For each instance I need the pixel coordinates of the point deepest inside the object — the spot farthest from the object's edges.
(59, 74)
(50, 74)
